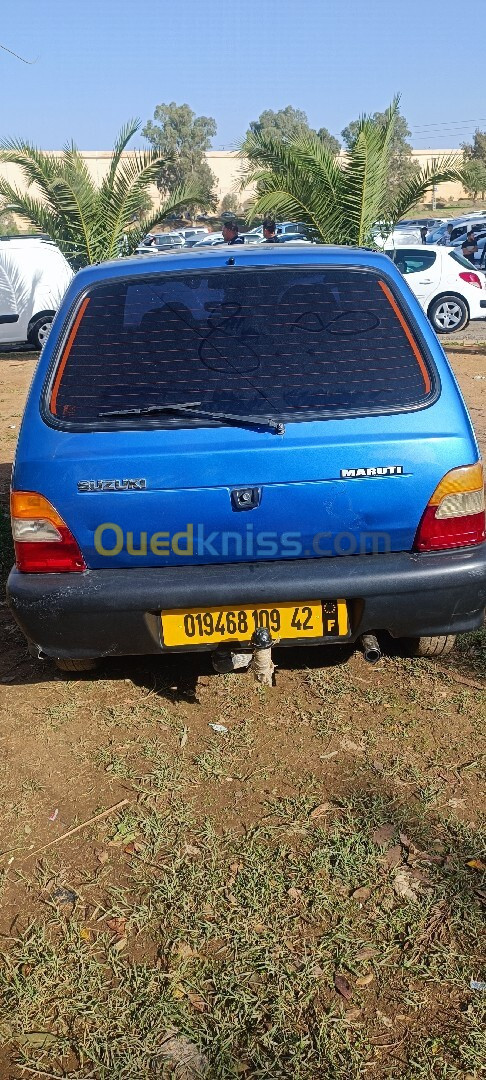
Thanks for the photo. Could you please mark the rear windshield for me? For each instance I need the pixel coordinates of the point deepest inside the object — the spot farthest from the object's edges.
(286, 342)
(461, 259)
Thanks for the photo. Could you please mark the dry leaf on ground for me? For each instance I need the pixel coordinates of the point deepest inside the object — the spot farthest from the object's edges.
(406, 886)
(343, 986)
(393, 856)
(197, 1001)
(361, 894)
(383, 834)
(365, 980)
(319, 811)
(120, 944)
(352, 1014)
(117, 924)
(190, 1063)
(366, 953)
(184, 950)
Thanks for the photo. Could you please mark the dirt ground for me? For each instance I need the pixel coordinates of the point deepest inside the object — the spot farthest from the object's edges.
(402, 741)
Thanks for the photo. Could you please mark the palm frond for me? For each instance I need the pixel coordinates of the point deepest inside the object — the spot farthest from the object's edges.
(36, 166)
(121, 203)
(300, 178)
(440, 170)
(341, 198)
(365, 175)
(36, 214)
(121, 142)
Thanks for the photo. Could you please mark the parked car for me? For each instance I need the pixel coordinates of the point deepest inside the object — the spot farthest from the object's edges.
(479, 234)
(158, 243)
(210, 241)
(284, 227)
(447, 287)
(460, 228)
(292, 238)
(192, 235)
(34, 276)
(212, 447)
(397, 238)
(418, 223)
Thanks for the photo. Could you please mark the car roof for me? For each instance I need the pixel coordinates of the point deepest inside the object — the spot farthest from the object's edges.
(441, 249)
(249, 255)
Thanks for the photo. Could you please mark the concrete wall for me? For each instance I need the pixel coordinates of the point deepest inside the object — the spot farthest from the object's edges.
(226, 166)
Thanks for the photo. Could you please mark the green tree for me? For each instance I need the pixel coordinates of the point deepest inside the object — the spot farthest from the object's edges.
(329, 141)
(475, 151)
(402, 166)
(340, 199)
(289, 124)
(181, 139)
(230, 202)
(90, 223)
(474, 177)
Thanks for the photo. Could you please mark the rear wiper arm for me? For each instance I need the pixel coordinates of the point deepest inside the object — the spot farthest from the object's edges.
(192, 408)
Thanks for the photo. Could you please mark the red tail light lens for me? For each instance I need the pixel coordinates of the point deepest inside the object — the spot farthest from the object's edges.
(43, 543)
(471, 278)
(455, 515)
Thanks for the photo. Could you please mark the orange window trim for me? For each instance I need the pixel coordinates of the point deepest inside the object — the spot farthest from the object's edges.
(65, 356)
(408, 333)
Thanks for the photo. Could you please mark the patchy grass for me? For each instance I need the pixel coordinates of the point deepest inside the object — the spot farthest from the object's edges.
(471, 650)
(223, 948)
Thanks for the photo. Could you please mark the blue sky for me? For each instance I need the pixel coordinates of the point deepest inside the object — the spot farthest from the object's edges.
(99, 62)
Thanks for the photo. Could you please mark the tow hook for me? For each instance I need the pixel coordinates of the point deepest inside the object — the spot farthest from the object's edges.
(371, 648)
(261, 662)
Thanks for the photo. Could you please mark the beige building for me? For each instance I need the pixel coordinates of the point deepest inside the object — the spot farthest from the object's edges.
(226, 166)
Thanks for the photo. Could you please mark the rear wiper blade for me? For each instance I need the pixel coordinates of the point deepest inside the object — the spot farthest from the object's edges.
(192, 408)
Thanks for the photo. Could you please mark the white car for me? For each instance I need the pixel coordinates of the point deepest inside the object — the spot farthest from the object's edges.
(210, 241)
(399, 237)
(449, 289)
(34, 276)
(158, 243)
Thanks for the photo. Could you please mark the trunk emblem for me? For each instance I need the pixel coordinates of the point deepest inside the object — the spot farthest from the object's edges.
(111, 485)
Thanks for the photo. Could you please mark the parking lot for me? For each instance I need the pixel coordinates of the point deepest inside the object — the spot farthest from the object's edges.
(296, 895)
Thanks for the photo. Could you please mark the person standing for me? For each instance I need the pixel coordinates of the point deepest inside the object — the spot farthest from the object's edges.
(230, 233)
(446, 239)
(470, 247)
(270, 231)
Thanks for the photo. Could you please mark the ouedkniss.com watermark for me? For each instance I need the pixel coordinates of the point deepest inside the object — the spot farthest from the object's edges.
(195, 540)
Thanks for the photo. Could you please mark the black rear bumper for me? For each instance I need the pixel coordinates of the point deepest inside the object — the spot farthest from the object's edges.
(117, 612)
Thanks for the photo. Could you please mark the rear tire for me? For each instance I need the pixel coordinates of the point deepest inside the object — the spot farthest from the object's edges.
(68, 664)
(431, 646)
(39, 331)
(448, 314)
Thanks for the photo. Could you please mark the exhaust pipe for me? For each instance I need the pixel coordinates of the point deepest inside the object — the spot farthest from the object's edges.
(371, 648)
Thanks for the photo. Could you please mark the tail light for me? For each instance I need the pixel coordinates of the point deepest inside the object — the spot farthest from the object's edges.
(454, 516)
(471, 278)
(43, 543)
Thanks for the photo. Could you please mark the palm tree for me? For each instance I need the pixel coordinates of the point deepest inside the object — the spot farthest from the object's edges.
(90, 223)
(341, 199)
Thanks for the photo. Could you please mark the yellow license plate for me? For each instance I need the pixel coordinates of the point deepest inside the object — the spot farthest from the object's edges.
(208, 626)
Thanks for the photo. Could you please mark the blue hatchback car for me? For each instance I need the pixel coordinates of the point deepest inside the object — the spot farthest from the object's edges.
(242, 438)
